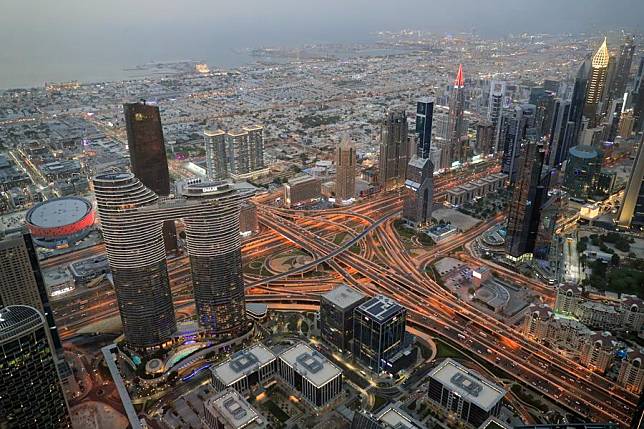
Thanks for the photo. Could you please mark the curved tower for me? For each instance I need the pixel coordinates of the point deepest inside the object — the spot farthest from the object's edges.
(31, 394)
(136, 253)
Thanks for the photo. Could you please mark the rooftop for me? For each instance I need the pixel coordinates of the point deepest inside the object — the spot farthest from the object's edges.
(232, 408)
(59, 212)
(398, 419)
(381, 307)
(243, 363)
(468, 384)
(343, 296)
(300, 179)
(311, 364)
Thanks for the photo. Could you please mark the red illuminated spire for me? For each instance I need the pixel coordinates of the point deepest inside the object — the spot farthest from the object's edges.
(459, 77)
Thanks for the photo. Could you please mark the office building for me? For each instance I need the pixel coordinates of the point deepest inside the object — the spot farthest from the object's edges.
(378, 333)
(485, 138)
(561, 134)
(131, 217)
(301, 189)
(148, 159)
(544, 102)
(578, 98)
(631, 212)
(230, 410)
(419, 191)
(456, 148)
(336, 315)
(365, 420)
(623, 68)
(626, 124)
(516, 127)
(216, 160)
(391, 417)
(31, 393)
(424, 121)
(317, 380)
(464, 392)
(394, 150)
(244, 370)
(495, 110)
(582, 172)
(21, 280)
(596, 84)
(345, 168)
(248, 222)
(525, 204)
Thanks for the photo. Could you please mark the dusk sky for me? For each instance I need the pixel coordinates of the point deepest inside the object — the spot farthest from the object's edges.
(41, 34)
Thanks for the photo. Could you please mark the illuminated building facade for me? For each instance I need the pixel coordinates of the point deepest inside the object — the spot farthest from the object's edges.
(596, 84)
(31, 393)
(132, 216)
(336, 315)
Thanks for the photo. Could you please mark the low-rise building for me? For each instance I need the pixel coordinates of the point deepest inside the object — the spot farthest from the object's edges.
(567, 298)
(317, 380)
(229, 410)
(599, 315)
(252, 366)
(301, 189)
(462, 194)
(463, 391)
(598, 352)
(633, 310)
(631, 372)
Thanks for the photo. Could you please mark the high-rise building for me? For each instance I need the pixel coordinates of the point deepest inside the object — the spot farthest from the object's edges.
(561, 134)
(394, 150)
(631, 212)
(345, 167)
(544, 102)
(525, 204)
(378, 332)
(495, 110)
(417, 205)
(31, 393)
(424, 121)
(21, 280)
(148, 159)
(455, 149)
(245, 151)
(582, 171)
(216, 160)
(336, 315)
(638, 98)
(515, 129)
(623, 69)
(485, 138)
(579, 97)
(596, 84)
(131, 218)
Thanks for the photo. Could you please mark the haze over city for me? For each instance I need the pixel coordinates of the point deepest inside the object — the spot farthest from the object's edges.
(322, 215)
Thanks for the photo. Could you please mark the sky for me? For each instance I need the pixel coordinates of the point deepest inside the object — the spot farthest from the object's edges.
(40, 36)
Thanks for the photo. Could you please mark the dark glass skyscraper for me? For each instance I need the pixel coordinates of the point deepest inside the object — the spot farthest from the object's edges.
(148, 159)
(579, 98)
(31, 394)
(394, 149)
(424, 119)
(561, 133)
(623, 70)
(582, 171)
(378, 332)
(515, 129)
(455, 149)
(525, 205)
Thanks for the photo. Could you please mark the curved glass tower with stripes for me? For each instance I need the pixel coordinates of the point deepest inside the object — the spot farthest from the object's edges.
(132, 216)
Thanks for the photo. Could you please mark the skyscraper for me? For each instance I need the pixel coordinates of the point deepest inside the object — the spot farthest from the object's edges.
(31, 394)
(345, 167)
(216, 161)
(21, 280)
(455, 149)
(417, 205)
(485, 137)
(424, 120)
(137, 259)
(245, 151)
(582, 171)
(148, 159)
(561, 133)
(596, 84)
(515, 129)
(525, 205)
(631, 212)
(578, 98)
(131, 216)
(394, 149)
(495, 109)
(623, 69)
